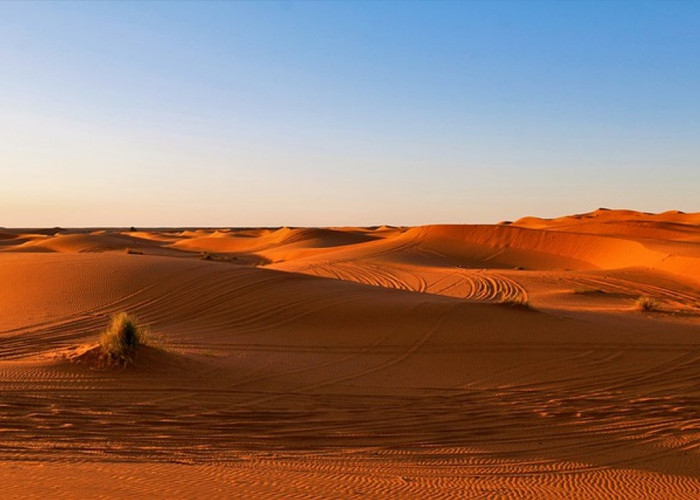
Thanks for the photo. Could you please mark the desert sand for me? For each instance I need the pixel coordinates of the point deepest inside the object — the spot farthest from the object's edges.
(435, 361)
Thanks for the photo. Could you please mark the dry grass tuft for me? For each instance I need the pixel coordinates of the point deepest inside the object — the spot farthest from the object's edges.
(519, 303)
(122, 337)
(647, 304)
(584, 291)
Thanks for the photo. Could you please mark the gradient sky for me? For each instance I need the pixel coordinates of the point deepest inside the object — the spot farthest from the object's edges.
(359, 113)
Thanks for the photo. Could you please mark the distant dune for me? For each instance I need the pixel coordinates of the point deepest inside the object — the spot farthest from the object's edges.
(446, 360)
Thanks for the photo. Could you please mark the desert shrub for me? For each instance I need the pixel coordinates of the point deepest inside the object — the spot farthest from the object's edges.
(123, 335)
(647, 304)
(517, 302)
(584, 291)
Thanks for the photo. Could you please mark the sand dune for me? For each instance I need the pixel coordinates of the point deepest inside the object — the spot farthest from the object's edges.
(505, 360)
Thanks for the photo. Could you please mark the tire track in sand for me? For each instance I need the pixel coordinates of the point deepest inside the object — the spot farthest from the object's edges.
(410, 351)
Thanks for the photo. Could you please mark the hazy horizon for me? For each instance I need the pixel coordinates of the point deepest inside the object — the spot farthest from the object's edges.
(141, 227)
(332, 114)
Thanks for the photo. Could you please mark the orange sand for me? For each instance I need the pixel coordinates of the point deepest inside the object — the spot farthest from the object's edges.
(501, 360)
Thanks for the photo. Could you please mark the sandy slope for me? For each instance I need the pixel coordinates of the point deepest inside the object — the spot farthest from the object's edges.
(415, 371)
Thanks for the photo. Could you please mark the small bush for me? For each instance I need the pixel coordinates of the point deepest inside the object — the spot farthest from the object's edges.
(647, 304)
(584, 291)
(517, 302)
(122, 337)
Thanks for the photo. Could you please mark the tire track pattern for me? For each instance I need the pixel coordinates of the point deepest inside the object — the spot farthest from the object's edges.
(684, 300)
(476, 285)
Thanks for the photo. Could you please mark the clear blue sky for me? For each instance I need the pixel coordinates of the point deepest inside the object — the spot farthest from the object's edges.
(330, 113)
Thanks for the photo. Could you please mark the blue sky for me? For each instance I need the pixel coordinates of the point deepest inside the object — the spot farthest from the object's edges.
(358, 113)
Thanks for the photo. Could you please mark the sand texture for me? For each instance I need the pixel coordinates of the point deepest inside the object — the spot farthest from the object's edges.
(508, 360)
